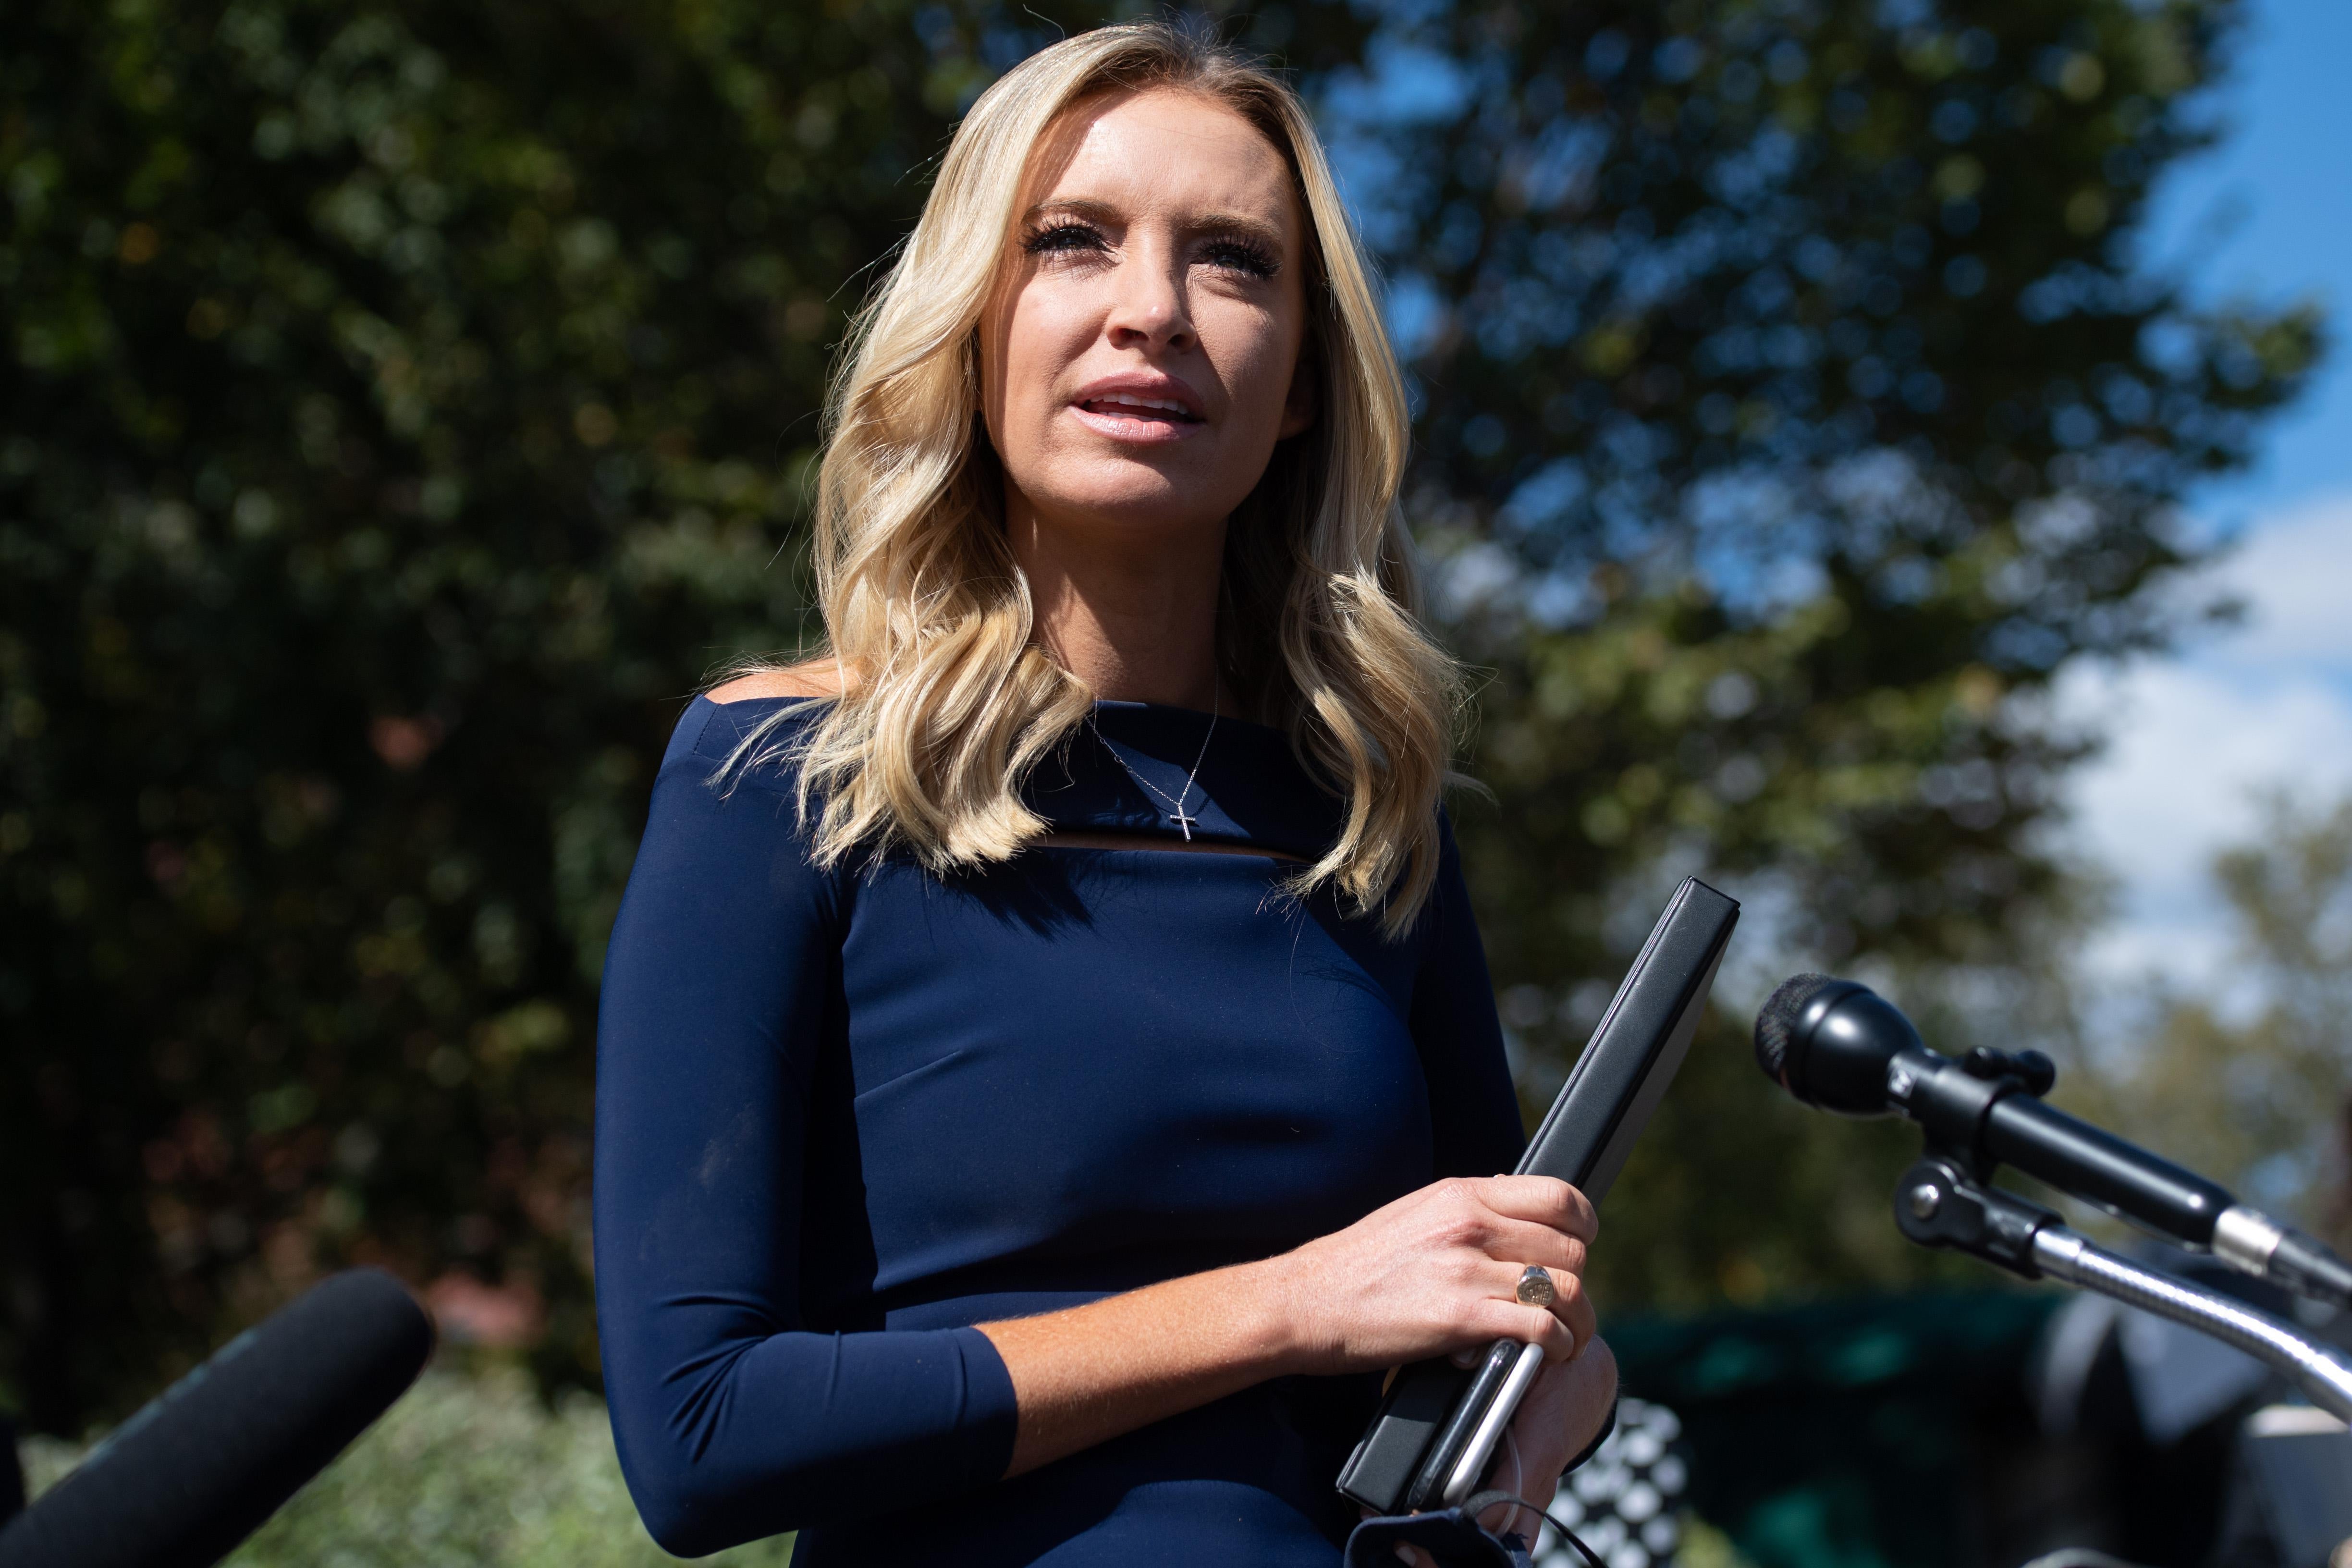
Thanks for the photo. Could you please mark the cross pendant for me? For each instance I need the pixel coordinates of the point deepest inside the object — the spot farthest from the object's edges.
(1184, 822)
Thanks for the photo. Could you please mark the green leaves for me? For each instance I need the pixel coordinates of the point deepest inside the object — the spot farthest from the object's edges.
(2244, 1080)
(405, 407)
(402, 408)
(1794, 406)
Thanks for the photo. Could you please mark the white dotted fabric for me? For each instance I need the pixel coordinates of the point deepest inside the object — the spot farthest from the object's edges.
(1625, 1502)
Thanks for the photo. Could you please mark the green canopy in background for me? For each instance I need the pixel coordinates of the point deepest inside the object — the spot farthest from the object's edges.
(1866, 1432)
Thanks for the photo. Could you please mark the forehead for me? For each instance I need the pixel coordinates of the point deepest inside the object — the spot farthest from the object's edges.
(1164, 151)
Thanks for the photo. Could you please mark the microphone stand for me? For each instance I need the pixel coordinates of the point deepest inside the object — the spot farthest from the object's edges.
(1942, 1202)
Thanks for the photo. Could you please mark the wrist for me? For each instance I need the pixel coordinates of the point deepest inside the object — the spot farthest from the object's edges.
(1257, 1300)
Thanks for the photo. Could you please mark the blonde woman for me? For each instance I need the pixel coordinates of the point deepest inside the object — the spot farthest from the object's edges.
(1048, 1069)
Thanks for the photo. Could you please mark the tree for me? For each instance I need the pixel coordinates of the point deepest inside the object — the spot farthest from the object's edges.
(2249, 1085)
(403, 406)
(1793, 405)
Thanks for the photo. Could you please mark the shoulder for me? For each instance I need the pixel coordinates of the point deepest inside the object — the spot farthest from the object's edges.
(744, 726)
(812, 677)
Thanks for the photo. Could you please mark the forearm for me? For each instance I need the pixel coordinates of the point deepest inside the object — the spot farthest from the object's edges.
(1088, 1374)
(1436, 1271)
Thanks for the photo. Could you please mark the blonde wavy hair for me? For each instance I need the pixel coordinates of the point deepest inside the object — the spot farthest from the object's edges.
(947, 702)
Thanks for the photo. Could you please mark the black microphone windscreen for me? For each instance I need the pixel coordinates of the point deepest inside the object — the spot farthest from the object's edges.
(1776, 1021)
(200, 1468)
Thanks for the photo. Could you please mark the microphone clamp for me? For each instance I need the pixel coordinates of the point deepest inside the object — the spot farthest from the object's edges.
(1939, 1204)
(2250, 1240)
(2031, 1070)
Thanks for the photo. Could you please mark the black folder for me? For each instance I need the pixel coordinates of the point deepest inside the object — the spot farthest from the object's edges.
(1431, 1407)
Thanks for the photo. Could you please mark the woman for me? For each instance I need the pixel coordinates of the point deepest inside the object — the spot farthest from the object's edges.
(1037, 1035)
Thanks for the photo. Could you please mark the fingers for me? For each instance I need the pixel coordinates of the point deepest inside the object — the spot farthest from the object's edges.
(1438, 1271)
(1521, 1220)
(1573, 1306)
(1562, 1413)
(1524, 1242)
(1532, 1219)
(1492, 1319)
(1570, 1309)
(1544, 1200)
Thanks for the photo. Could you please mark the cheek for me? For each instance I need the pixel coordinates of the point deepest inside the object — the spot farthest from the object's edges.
(1046, 330)
(1255, 351)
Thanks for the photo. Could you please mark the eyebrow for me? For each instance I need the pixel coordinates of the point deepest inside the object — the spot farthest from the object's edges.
(1212, 223)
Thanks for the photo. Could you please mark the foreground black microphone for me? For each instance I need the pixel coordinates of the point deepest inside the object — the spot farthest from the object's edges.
(1841, 1047)
(198, 1468)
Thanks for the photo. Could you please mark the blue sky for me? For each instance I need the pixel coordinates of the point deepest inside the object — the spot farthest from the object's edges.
(2280, 189)
(2193, 737)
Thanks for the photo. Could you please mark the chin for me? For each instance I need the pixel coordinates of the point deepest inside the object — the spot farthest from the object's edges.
(1128, 494)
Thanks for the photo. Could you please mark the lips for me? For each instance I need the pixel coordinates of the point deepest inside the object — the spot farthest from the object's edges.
(1147, 406)
(1124, 406)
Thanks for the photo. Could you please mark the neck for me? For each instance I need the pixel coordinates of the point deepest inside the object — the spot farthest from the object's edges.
(1129, 610)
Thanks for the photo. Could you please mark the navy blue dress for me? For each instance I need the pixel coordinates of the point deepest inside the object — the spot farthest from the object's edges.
(842, 1117)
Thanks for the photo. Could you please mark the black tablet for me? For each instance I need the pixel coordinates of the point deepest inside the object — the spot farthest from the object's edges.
(1437, 1424)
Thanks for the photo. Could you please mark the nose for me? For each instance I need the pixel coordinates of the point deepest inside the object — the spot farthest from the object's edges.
(1148, 307)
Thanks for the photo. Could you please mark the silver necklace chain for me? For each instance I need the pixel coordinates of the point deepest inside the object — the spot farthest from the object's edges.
(1175, 804)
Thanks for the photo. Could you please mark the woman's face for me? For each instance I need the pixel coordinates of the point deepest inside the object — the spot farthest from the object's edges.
(1140, 357)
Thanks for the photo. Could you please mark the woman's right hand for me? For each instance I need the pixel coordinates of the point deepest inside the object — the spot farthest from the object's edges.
(1438, 1271)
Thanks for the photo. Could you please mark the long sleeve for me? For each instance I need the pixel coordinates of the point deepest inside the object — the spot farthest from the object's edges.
(733, 1420)
(1473, 1108)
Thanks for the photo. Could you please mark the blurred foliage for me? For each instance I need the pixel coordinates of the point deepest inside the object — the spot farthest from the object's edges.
(1795, 401)
(463, 1470)
(405, 405)
(2247, 1083)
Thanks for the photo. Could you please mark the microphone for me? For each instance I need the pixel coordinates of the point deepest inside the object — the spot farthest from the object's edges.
(1838, 1046)
(199, 1468)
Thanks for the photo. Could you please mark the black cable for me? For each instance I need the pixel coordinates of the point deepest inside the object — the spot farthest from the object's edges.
(1484, 1500)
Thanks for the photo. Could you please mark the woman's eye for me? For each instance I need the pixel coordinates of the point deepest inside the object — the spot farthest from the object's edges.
(1064, 237)
(1241, 256)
